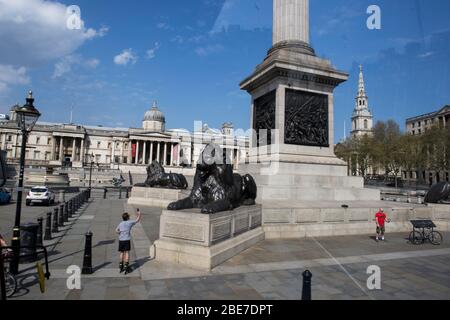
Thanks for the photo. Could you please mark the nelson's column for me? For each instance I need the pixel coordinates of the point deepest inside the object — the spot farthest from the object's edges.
(292, 148)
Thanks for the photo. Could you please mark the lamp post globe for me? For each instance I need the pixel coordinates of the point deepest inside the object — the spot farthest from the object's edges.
(26, 117)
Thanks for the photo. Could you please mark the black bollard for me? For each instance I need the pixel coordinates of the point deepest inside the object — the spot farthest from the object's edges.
(66, 213)
(127, 195)
(40, 222)
(87, 258)
(48, 227)
(104, 192)
(120, 192)
(306, 291)
(55, 221)
(61, 216)
(71, 211)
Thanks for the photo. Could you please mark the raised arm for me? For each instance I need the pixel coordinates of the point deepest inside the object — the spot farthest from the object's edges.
(138, 215)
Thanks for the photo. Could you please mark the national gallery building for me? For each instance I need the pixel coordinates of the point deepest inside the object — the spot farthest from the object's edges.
(76, 146)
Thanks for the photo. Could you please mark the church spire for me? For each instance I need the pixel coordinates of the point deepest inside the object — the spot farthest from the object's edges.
(362, 119)
(361, 87)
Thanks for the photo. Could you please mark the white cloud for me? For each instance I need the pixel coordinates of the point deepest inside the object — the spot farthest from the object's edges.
(67, 63)
(9, 75)
(151, 53)
(426, 54)
(92, 63)
(207, 50)
(163, 25)
(127, 56)
(34, 32)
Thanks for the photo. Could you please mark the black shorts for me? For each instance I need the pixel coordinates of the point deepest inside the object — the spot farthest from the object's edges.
(124, 246)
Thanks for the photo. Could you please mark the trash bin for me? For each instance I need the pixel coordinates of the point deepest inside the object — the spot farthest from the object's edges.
(28, 237)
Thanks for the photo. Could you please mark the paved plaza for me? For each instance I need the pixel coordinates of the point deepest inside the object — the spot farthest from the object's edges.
(270, 270)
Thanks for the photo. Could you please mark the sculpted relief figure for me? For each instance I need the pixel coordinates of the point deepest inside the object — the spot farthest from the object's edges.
(216, 188)
(158, 178)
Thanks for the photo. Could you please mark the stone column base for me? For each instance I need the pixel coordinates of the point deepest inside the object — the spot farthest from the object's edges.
(205, 241)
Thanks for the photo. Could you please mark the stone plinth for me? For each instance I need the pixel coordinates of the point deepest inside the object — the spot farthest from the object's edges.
(154, 197)
(282, 219)
(205, 241)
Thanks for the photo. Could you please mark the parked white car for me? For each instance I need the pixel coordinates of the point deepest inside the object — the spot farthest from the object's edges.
(41, 195)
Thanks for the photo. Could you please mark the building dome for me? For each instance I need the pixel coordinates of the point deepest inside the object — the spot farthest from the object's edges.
(154, 114)
(154, 119)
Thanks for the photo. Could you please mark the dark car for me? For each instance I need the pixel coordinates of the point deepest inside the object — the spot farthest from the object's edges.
(5, 196)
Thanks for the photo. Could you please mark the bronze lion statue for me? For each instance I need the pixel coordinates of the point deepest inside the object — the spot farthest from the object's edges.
(438, 192)
(158, 178)
(216, 188)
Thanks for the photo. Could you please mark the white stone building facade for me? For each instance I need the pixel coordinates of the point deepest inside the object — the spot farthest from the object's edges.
(133, 149)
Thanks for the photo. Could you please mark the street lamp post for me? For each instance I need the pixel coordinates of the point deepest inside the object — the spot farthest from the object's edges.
(90, 174)
(26, 116)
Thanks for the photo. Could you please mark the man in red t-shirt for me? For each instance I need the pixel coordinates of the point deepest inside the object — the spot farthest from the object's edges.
(380, 219)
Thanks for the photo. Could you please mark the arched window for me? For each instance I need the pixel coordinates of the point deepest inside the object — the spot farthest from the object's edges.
(366, 124)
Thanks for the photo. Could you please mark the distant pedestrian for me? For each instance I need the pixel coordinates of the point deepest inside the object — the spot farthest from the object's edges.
(124, 231)
(380, 219)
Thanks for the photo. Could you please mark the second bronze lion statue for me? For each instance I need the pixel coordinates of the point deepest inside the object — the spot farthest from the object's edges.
(215, 187)
(158, 178)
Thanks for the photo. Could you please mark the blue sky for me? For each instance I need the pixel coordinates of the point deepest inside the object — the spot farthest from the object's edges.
(191, 56)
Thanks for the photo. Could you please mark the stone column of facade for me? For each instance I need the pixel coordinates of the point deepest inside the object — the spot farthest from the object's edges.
(52, 154)
(144, 153)
(82, 151)
(16, 140)
(290, 20)
(178, 154)
(130, 152)
(171, 154)
(151, 152)
(74, 144)
(136, 160)
(113, 151)
(61, 147)
(4, 141)
(158, 150)
(165, 154)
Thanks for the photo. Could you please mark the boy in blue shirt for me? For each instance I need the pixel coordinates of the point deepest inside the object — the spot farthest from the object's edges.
(124, 231)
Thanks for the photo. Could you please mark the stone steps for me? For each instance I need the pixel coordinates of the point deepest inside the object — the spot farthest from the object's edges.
(296, 193)
(309, 181)
(287, 168)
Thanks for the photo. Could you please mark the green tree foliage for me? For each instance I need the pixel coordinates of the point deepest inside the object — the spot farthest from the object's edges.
(390, 149)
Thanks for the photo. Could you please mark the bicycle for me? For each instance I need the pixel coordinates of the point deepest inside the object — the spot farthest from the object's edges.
(10, 279)
(418, 237)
